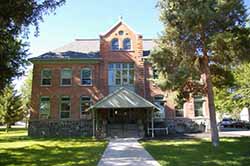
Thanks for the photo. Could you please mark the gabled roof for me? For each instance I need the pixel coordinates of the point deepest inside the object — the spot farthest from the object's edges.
(123, 98)
(119, 22)
(85, 49)
(68, 55)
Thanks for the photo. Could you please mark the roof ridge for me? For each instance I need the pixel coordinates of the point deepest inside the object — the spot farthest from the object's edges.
(87, 39)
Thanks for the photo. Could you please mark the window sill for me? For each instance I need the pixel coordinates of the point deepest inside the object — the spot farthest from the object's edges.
(65, 85)
(122, 50)
(86, 85)
(45, 85)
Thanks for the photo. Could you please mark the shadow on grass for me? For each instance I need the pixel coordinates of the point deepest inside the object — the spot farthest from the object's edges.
(52, 155)
(19, 149)
(232, 151)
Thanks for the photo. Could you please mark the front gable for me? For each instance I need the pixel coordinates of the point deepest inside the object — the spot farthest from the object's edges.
(120, 43)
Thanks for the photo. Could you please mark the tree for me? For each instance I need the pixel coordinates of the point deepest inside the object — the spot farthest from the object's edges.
(15, 20)
(242, 91)
(198, 36)
(11, 109)
(26, 94)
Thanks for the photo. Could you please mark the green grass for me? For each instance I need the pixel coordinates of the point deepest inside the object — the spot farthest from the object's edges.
(16, 148)
(231, 152)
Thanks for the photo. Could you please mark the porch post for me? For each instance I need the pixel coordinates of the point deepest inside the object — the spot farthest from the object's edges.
(93, 122)
(152, 123)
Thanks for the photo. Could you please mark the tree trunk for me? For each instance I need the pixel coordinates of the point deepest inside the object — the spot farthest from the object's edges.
(211, 106)
(7, 127)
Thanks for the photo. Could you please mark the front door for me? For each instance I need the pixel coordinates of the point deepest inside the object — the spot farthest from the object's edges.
(121, 124)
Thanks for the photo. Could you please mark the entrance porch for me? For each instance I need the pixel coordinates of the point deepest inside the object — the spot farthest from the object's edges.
(123, 113)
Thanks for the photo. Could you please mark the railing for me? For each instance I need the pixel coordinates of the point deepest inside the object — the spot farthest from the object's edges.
(159, 129)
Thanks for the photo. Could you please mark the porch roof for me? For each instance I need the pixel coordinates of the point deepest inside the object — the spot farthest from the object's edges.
(123, 98)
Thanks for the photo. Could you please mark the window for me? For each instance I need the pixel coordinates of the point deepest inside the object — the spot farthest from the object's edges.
(159, 102)
(65, 107)
(121, 32)
(198, 106)
(46, 76)
(155, 73)
(86, 76)
(127, 44)
(115, 44)
(85, 103)
(44, 109)
(121, 74)
(179, 112)
(66, 76)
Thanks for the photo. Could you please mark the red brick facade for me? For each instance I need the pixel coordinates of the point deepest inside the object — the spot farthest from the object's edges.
(99, 88)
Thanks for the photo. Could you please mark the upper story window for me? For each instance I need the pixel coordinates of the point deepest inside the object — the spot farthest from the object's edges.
(66, 76)
(127, 44)
(44, 107)
(121, 74)
(46, 77)
(85, 103)
(65, 107)
(198, 106)
(115, 44)
(86, 76)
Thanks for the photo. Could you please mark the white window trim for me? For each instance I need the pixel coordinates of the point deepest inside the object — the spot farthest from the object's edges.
(91, 76)
(121, 78)
(40, 98)
(111, 45)
(203, 108)
(41, 77)
(60, 109)
(131, 45)
(62, 78)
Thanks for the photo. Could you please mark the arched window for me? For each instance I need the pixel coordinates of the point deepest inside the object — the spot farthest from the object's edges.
(115, 44)
(127, 44)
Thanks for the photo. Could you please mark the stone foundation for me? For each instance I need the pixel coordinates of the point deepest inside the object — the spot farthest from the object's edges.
(184, 125)
(60, 128)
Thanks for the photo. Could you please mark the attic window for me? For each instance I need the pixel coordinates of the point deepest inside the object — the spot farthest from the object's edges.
(127, 44)
(115, 44)
(121, 32)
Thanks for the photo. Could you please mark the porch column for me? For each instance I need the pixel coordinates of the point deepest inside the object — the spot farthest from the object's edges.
(152, 123)
(93, 122)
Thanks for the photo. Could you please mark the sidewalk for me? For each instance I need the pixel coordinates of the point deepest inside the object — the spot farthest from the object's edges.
(126, 152)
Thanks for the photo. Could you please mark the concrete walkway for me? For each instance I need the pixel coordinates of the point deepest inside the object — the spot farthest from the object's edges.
(126, 152)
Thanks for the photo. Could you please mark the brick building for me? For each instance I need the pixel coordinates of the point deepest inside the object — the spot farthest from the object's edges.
(103, 87)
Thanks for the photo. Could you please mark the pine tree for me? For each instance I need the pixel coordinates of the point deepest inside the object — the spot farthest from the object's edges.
(200, 37)
(11, 109)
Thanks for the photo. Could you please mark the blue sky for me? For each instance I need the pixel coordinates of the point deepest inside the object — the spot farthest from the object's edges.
(89, 18)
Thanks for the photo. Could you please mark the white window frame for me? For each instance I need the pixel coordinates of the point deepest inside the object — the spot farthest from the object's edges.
(40, 101)
(124, 44)
(111, 44)
(91, 76)
(115, 69)
(61, 76)
(42, 77)
(201, 99)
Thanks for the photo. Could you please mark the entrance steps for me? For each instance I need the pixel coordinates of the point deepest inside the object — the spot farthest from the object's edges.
(123, 130)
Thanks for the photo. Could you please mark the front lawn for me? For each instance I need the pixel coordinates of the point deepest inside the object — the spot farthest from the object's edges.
(232, 152)
(16, 148)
